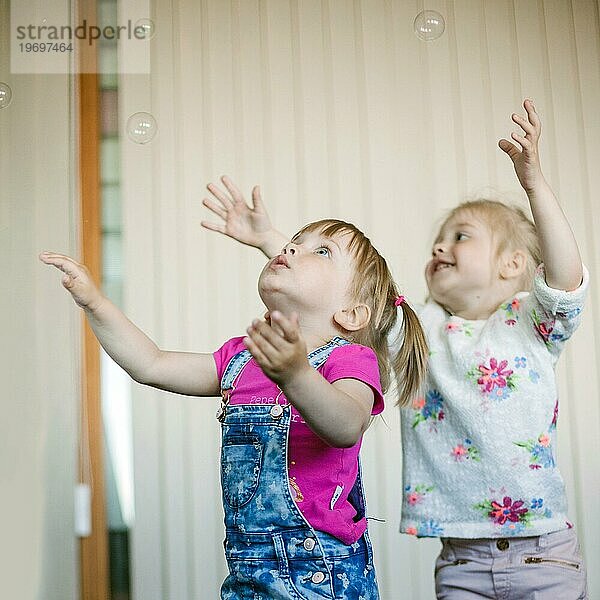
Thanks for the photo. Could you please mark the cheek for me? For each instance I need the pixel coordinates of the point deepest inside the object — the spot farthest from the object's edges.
(428, 270)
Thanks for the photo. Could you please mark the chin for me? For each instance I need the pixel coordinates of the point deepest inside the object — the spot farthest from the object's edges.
(265, 293)
(440, 299)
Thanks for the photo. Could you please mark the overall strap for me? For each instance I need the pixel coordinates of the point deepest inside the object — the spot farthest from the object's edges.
(316, 359)
(234, 368)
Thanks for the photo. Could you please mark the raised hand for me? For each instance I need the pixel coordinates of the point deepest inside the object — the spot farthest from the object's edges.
(278, 347)
(76, 279)
(526, 160)
(247, 224)
(560, 252)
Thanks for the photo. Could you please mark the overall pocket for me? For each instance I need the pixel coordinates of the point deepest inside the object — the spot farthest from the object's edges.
(241, 459)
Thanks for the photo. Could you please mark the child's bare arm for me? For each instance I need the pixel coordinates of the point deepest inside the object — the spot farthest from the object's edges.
(249, 225)
(562, 261)
(180, 372)
(338, 412)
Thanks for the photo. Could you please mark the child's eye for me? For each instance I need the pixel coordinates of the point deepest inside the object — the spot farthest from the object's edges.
(461, 236)
(323, 251)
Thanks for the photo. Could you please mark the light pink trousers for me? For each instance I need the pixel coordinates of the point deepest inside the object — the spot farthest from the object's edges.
(548, 567)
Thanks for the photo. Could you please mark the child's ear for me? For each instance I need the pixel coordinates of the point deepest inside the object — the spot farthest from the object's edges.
(353, 319)
(513, 264)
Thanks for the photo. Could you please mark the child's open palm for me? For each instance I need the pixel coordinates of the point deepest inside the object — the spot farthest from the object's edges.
(246, 224)
(76, 279)
(278, 347)
(526, 161)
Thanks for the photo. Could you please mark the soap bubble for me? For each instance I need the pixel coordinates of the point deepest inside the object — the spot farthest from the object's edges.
(148, 26)
(429, 25)
(5, 95)
(141, 127)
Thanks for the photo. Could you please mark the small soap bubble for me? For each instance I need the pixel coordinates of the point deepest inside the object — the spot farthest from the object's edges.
(429, 25)
(141, 127)
(147, 25)
(5, 95)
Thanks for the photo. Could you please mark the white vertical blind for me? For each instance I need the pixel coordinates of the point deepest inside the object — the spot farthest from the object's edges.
(40, 336)
(336, 108)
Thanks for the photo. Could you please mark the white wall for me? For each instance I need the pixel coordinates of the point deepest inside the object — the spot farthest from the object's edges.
(337, 108)
(39, 347)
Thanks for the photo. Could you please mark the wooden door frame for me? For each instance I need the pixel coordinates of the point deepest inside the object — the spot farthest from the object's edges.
(94, 573)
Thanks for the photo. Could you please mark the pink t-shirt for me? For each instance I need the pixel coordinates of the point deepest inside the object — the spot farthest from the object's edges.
(321, 477)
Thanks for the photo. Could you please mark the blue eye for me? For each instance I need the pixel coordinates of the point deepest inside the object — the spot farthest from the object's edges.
(323, 251)
(461, 236)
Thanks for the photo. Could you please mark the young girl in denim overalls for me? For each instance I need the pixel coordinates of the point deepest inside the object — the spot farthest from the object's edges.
(479, 465)
(297, 393)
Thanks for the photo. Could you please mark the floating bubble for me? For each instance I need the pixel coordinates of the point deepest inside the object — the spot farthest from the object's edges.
(141, 127)
(5, 95)
(429, 25)
(147, 25)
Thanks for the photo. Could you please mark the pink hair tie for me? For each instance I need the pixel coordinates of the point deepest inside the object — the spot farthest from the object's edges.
(399, 300)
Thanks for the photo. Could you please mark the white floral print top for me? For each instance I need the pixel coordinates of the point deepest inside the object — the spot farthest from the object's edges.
(478, 445)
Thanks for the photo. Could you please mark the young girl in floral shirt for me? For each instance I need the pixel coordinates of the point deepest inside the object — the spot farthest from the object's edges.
(479, 468)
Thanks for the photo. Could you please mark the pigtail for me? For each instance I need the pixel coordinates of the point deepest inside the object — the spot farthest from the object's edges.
(409, 361)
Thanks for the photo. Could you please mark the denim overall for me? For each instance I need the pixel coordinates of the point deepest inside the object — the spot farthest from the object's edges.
(271, 550)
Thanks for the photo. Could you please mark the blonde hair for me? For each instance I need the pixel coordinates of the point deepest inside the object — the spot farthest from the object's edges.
(512, 229)
(373, 285)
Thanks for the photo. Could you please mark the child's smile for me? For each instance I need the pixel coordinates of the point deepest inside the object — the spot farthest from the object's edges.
(440, 265)
(463, 274)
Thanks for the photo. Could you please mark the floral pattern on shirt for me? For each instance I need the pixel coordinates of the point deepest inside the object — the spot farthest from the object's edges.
(520, 362)
(540, 452)
(429, 528)
(512, 517)
(428, 408)
(511, 310)
(495, 380)
(545, 329)
(465, 451)
(466, 328)
(415, 494)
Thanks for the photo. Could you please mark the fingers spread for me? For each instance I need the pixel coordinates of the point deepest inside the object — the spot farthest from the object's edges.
(232, 189)
(525, 143)
(509, 148)
(216, 208)
(532, 115)
(257, 203)
(213, 226)
(219, 195)
(526, 125)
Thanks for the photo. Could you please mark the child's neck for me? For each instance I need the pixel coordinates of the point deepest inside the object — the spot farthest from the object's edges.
(316, 335)
(316, 330)
(481, 308)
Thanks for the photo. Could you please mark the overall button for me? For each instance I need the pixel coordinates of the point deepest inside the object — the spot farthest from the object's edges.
(276, 411)
(309, 544)
(318, 577)
(502, 544)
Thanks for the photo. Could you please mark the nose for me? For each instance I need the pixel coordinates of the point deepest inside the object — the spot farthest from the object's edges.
(438, 248)
(290, 248)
